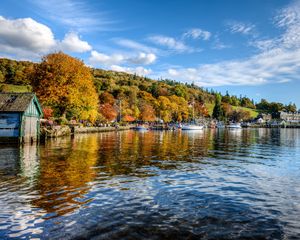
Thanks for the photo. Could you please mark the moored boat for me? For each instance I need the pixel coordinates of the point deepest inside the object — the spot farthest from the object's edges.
(140, 128)
(192, 127)
(220, 125)
(234, 126)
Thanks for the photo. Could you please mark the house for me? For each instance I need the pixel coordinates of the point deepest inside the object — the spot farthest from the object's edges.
(290, 117)
(263, 118)
(20, 115)
(260, 120)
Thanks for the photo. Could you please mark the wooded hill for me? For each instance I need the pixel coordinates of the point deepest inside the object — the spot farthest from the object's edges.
(66, 87)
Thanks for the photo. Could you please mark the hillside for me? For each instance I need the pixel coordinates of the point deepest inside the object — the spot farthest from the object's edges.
(141, 98)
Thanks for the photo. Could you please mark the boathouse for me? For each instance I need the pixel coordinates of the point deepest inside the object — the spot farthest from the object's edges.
(20, 115)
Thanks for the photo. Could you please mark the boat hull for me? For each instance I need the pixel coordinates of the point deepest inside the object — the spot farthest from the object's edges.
(234, 126)
(191, 127)
(140, 128)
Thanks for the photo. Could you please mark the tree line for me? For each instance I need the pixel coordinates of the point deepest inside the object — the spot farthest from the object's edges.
(68, 89)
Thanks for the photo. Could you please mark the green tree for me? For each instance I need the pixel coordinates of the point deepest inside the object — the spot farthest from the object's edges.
(291, 107)
(218, 112)
(2, 77)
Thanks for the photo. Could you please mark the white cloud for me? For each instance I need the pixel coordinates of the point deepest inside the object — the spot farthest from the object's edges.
(259, 69)
(25, 37)
(240, 27)
(75, 14)
(143, 58)
(170, 43)
(289, 20)
(73, 43)
(265, 44)
(135, 45)
(218, 44)
(141, 71)
(99, 59)
(288, 16)
(284, 80)
(197, 33)
(277, 62)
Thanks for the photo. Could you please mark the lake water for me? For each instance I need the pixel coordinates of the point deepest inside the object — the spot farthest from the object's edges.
(226, 184)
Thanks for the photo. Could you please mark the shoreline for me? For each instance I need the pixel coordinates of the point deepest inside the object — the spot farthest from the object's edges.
(61, 131)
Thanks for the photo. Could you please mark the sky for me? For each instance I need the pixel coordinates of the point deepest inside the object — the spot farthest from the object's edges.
(248, 47)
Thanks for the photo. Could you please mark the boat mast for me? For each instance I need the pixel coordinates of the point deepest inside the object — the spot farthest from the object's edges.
(120, 106)
(193, 112)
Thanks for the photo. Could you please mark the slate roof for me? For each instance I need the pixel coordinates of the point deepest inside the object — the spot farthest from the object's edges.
(15, 102)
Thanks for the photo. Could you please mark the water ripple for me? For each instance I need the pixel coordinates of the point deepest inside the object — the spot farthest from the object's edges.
(156, 185)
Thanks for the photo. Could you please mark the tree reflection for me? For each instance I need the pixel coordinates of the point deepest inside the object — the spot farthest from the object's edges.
(66, 168)
(61, 173)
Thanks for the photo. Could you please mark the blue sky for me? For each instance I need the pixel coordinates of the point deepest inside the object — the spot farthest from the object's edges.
(249, 47)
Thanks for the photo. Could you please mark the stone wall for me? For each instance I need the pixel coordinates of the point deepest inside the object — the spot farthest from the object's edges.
(59, 131)
(55, 131)
(98, 129)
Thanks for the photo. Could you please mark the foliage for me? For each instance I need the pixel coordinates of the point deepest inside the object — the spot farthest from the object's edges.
(218, 112)
(15, 88)
(147, 113)
(227, 109)
(253, 112)
(108, 111)
(239, 115)
(65, 83)
(275, 107)
(73, 90)
(47, 112)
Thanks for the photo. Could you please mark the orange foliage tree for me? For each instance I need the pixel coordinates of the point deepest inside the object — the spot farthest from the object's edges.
(147, 113)
(47, 112)
(108, 111)
(201, 110)
(66, 84)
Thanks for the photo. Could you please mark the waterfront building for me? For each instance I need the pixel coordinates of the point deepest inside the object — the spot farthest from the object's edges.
(20, 115)
(290, 117)
(263, 118)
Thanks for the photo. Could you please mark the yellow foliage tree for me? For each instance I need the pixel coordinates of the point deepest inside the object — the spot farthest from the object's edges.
(165, 108)
(66, 84)
(180, 108)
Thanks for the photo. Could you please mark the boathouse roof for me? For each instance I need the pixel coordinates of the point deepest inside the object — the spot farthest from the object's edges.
(17, 102)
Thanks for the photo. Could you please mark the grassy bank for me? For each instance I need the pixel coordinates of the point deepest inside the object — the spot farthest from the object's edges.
(14, 88)
(253, 112)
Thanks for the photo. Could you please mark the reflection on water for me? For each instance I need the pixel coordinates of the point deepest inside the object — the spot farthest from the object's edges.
(208, 184)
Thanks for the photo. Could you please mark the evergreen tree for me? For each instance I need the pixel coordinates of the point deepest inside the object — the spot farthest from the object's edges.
(218, 112)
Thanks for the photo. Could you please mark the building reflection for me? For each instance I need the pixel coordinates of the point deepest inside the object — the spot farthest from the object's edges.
(29, 162)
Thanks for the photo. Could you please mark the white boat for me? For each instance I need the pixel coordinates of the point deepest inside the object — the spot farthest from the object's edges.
(234, 126)
(140, 128)
(192, 127)
(220, 125)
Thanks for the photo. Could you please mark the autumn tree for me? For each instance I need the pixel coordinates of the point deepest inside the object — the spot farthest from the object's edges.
(164, 106)
(239, 115)
(47, 112)
(200, 109)
(180, 108)
(227, 109)
(106, 97)
(66, 84)
(108, 111)
(147, 113)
